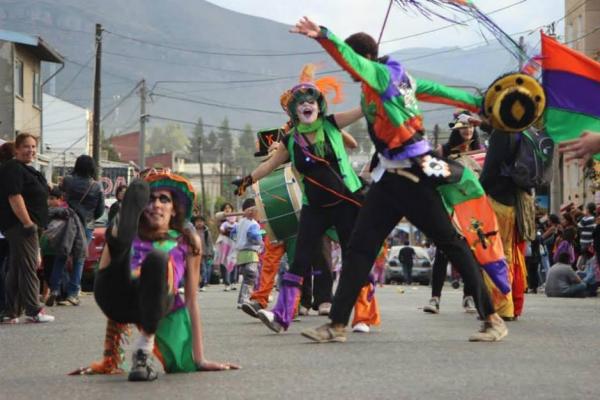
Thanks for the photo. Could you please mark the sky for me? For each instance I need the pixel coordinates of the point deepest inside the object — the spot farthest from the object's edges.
(348, 16)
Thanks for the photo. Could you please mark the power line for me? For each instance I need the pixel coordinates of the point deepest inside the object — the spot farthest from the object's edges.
(210, 104)
(131, 92)
(193, 123)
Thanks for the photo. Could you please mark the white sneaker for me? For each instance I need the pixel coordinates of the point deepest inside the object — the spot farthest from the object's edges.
(227, 288)
(324, 308)
(268, 318)
(40, 317)
(469, 305)
(361, 327)
(203, 289)
(303, 311)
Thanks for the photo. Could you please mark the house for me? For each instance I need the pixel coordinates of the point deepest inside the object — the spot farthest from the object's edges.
(66, 127)
(21, 56)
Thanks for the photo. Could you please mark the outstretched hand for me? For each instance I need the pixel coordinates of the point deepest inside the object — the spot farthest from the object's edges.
(242, 184)
(307, 27)
(216, 366)
(584, 147)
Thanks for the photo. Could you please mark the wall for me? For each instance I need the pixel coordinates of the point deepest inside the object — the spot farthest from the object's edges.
(28, 117)
(6, 91)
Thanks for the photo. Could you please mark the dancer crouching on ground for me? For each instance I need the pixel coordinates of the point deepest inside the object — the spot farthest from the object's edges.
(407, 175)
(148, 253)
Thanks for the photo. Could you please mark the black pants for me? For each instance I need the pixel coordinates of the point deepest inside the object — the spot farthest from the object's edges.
(3, 263)
(318, 281)
(388, 201)
(533, 275)
(22, 283)
(314, 221)
(143, 301)
(438, 275)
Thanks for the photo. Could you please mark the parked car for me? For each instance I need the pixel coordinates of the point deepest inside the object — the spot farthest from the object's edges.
(421, 271)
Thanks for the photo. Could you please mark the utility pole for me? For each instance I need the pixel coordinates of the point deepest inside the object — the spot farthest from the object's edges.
(97, 97)
(143, 116)
(221, 171)
(522, 52)
(201, 162)
(436, 135)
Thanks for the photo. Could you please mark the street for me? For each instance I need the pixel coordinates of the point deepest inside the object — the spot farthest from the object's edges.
(552, 352)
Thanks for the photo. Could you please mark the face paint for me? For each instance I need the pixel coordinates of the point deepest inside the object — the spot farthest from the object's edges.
(307, 112)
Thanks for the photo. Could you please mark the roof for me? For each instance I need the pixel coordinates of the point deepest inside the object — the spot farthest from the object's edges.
(36, 44)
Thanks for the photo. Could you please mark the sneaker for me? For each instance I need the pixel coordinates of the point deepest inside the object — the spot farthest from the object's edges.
(324, 308)
(73, 300)
(325, 333)
(251, 308)
(9, 320)
(61, 301)
(361, 327)
(233, 287)
(490, 332)
(433, 307)
(268, 318)
(303, 311)
(203, 289)
(469, 305)
(40, 317)
(141, 369)
(227, 288)
(51, 299)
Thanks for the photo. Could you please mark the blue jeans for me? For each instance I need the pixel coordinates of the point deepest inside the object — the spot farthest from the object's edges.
(205, 271)
(58, 269)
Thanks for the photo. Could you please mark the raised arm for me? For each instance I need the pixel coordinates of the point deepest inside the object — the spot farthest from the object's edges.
(360, 68)
(433, 92)
(345, 118)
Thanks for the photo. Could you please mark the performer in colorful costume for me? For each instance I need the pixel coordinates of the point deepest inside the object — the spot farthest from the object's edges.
(315, 145)
(409, 177)
(148, 253)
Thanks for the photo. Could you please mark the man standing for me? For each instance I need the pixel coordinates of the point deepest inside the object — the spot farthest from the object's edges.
(406, 257)
(406, 177)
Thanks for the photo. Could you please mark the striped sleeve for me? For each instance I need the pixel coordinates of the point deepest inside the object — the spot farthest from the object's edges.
(433, 92)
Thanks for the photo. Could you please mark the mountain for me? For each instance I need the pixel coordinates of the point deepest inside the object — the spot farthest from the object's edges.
(225, 63)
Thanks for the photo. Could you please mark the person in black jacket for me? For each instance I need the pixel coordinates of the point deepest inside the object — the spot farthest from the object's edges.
(23, 208)
(85, 196)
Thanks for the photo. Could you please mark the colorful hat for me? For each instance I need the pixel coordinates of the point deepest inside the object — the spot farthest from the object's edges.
(464, 119)
(309, 87)
(180, 187)
(514, 102)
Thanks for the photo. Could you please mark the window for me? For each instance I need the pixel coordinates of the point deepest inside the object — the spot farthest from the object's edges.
(19, 78)
(37, 90)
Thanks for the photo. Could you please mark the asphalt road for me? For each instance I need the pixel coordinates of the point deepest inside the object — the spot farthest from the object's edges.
(553, 352)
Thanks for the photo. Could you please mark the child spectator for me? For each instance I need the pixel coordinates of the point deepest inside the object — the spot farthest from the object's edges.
(57, 216)
(207, 250)
(248, 243)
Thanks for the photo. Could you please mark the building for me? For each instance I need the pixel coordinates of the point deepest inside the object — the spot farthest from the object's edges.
(21, 56)
(66, 126)
(581, 23)
(582, 19)
(127, 146)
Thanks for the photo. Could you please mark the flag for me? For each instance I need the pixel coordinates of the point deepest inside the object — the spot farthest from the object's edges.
(572, 84)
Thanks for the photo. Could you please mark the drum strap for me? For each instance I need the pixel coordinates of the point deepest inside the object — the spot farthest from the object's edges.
(340, 195)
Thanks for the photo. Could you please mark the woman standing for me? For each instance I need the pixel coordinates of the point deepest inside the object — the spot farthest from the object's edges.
(224, 249)
(23, 208)
(315, 145)
(85, 196)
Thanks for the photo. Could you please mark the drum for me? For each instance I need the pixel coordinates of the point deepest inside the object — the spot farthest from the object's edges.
(279, 201)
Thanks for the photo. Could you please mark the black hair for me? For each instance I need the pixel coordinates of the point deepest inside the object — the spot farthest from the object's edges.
(554, 219)
(363, 44)
(591, 208)
(249, 202)
(198, 218)
(406, 243)
(225, 205)
(56, 192)
(564, 258)
(85, 166)
(119, 189)
(456, 140)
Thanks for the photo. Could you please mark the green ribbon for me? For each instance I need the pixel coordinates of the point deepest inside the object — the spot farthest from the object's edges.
(317, 128)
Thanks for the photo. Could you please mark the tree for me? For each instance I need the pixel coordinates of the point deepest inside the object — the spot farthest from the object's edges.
(244, 154)
(225, 140)
(198, 140)
(211, 149)
(106, 146)
(170, 138)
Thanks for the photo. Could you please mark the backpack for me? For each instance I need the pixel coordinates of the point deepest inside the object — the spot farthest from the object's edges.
(532, 165)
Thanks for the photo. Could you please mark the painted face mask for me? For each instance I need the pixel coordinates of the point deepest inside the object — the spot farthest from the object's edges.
(305, 104)
(307, 111)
